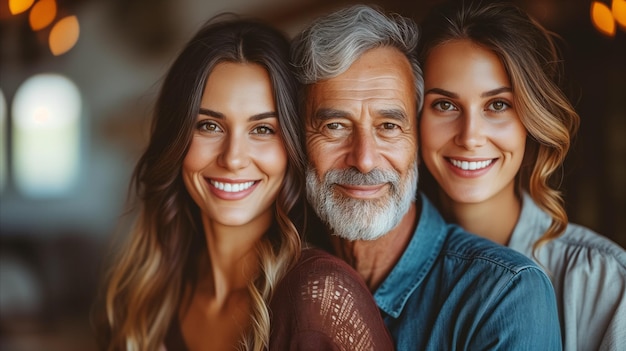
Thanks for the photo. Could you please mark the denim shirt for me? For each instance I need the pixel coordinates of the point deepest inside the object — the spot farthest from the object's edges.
(452, 290)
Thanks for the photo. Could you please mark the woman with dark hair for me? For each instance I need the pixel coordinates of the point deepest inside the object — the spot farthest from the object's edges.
(495, 128)
(214, 260)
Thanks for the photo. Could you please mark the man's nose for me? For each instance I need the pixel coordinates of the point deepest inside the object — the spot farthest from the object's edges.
(364, 154)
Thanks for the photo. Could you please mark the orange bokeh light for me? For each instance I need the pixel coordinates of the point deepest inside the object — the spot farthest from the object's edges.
(42, 14)
(19, 6)
(619, 12)
(602, 18)
(64, 35)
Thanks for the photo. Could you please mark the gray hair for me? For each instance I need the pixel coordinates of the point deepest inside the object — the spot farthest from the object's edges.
(332, 43)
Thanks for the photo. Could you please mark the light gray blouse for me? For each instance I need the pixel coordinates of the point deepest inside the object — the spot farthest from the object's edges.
(588, 272)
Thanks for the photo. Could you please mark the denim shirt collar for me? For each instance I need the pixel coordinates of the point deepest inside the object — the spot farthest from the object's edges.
(416, 261)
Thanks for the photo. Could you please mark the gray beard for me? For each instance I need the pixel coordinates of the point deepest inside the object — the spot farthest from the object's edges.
(357, 219)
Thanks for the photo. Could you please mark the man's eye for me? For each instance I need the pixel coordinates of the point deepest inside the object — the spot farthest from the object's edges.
(389, 126)
(334, 126)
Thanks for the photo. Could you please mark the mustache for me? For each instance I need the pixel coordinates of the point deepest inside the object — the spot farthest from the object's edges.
(352, 176)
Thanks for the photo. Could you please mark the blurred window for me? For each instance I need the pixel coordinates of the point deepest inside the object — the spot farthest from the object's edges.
(3, 141)
(46, 136)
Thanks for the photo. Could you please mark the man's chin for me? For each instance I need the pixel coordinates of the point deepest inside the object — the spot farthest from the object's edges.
(361, 225)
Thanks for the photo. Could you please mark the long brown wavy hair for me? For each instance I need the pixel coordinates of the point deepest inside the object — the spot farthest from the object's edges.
(532, 61)
(143, 288)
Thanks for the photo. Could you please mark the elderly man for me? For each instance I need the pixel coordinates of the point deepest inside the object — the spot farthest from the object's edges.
(438, 287)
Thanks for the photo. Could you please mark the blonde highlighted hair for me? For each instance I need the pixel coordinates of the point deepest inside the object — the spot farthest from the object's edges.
(144, 286)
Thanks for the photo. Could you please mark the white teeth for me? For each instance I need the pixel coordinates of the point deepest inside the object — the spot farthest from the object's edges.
(470, 165)
(232, 187)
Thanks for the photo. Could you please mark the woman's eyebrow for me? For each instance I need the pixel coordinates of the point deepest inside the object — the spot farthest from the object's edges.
(256, 117)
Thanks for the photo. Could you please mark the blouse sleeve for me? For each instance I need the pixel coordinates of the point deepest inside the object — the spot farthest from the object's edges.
(323, 304)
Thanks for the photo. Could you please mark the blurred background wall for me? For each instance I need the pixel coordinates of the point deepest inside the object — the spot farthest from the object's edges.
(78, 79)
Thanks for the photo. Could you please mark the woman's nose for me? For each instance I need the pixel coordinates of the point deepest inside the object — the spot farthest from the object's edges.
(470, 133)
(235, 153)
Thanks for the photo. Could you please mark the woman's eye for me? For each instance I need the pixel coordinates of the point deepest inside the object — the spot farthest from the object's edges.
(444, 106)
(209, 127)
(263, 130)
(499, 106)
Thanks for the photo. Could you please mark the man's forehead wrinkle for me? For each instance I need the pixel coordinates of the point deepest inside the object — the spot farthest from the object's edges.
(365, 77)
(330, 113)
(357, 94)
(383, 100)
(380, 89)
(375, 103)
(369, 82)
(395, 113)
(357, 88)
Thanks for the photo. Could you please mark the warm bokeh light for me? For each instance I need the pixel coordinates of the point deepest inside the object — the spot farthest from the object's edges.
(64, 35)
(42, 14)
(46, 135)
(19, 6)
(3, 140)
(602, 18)
(619, 12)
